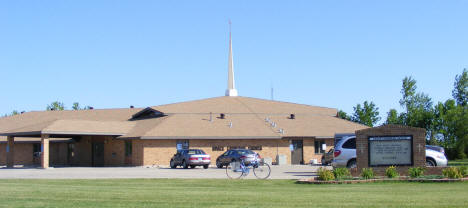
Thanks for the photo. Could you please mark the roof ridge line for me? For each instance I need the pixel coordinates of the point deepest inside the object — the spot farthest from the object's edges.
(258, 116)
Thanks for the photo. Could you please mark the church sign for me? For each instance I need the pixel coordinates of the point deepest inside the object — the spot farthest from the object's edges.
(390, 145)
(390, 150)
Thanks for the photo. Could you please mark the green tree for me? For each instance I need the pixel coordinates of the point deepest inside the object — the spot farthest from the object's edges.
(460, 91)
(56, 106)
(393, 117)
(15, 112)
(76, 106)
(367, 114)
(343, 115)
(451, 121)
(418, 107)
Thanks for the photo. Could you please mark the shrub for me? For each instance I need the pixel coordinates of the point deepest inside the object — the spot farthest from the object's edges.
(451, 172)
(416, 172)
(391, 172)
(325, 174)
(367, 173)
(341, 173)
(463, 170)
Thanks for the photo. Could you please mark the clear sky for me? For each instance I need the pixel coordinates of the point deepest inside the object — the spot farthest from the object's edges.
(113, 54)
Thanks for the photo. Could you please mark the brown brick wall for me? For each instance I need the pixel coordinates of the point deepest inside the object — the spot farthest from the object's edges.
(270, 148)
(82, 153)
(114, 152)
(419, 140)
(159, 152)
(137, 152)
(58, 154)
(309, 149)
(23, 154)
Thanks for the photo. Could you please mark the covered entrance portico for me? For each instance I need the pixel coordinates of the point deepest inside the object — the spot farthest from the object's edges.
(54, 150)
(44, 151)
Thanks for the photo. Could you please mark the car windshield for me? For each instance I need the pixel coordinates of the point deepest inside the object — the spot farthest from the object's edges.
(436, 148)
(244, 152)
(195, 152)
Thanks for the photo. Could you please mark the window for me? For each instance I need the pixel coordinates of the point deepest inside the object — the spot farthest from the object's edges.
(236, 147)
(217, 148)
(182, 144)
(350, 144)
(255, 147)
(128, 148)
(196, 152)
(318, 146)
(36, 150)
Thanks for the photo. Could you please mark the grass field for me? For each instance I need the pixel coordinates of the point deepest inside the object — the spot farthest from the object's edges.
(458, 162)
(226, 193)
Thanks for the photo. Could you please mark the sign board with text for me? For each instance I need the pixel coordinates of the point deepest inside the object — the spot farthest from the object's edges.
(390, 150)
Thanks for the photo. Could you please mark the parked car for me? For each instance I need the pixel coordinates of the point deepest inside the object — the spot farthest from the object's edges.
(327, 157)
(345, 154)
(236, 155)
(190, 158)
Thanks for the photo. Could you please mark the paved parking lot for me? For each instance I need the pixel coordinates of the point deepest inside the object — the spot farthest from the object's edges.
(277, 172)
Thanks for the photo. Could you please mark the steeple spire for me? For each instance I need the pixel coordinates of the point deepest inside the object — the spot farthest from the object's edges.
(231, 89)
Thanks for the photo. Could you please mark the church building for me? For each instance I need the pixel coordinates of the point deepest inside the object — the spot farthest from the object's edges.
(150, 136)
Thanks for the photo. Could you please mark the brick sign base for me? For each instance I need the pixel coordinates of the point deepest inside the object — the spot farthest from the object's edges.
(418, 145)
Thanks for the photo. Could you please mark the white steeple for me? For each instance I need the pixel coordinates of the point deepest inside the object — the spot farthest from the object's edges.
(231, 89)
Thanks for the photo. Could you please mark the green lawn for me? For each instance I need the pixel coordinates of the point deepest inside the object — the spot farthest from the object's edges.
(458, 162)
(226, 193)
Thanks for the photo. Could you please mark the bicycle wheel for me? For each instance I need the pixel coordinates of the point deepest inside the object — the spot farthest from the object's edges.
(262, 171)
(234, 170)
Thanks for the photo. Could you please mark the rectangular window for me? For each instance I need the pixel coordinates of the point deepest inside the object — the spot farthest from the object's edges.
(236, 147)
(128, 148)
(182, 144)
(318, 146)
(255, 147)
(36, 150)
(217, 148)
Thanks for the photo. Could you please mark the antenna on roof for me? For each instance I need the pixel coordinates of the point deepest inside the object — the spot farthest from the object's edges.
(272, 98)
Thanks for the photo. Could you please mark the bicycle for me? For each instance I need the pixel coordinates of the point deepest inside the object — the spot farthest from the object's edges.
(237, 169)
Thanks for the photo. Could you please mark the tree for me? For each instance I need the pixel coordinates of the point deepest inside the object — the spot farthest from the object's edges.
(460, 91)
(343, 115)
(15, 112)
(56, 106)
(393, 118)
(451, 121)
(368, 114)
(408, 90)
(417, 105)
(76, 106)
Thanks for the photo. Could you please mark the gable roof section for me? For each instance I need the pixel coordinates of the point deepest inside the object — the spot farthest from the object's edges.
(245, 118)
(37, 121)
(227, 104)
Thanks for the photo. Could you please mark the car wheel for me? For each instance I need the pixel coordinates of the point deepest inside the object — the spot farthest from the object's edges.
(430, 162)
(205, 166)
(184, 165)
(219, 164)
(172, 164)
(323, 162)
(192, 166)
(352, 164)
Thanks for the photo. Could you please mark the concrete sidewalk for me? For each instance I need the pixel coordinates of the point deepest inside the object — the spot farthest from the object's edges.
(277, 172)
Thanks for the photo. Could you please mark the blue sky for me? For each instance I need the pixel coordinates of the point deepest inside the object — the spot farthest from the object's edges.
(113, 54)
